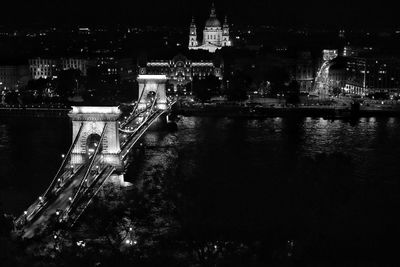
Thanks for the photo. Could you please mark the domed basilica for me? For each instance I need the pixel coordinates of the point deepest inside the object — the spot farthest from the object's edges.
(214, 36)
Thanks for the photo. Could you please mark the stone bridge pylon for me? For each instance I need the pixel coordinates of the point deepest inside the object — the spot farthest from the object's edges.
(88, 125)
(152, 85)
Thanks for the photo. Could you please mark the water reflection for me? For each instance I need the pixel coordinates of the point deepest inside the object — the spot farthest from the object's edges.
(212, 153)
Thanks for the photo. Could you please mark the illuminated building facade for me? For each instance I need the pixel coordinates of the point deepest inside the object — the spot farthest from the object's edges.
(42, 68)
(215, 36)
(362, 76)
(75, 64)
(180, 70)
(329, 54)
(48, 68)
(353, 51)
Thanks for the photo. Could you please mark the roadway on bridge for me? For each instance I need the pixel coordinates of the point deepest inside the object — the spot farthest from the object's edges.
(60, 203)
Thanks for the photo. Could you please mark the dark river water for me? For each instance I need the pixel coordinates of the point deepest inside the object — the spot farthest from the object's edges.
(243, 178)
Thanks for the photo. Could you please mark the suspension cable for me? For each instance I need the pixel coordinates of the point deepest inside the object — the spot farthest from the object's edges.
(92, 159)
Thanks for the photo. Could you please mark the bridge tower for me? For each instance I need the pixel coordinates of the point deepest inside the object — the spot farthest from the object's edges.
(95, 120)
(152, 85)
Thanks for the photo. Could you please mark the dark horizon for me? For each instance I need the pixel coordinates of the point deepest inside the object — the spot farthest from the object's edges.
(311, 13)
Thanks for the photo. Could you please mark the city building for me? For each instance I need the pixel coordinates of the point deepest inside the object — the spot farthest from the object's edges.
(127, 70)
(75, 64)
(8, 77)
(215, 36)
(13, 76)
(305, 72)
(363, 76)
(108, 69)
(49, 68)
(42, 68)
(111, 70)
(355, 76)
(180, 70)
(353, 51)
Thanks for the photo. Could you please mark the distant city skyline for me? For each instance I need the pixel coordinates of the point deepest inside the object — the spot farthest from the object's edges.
(312, 13)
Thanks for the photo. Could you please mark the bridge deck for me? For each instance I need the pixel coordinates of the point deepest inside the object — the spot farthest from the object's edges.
(61, 202)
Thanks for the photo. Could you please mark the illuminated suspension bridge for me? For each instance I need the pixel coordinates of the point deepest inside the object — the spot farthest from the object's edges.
(102, 140)
(322, 82)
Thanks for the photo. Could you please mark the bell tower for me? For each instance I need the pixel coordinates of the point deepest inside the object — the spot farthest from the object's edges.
(225, 33)
(193, 35)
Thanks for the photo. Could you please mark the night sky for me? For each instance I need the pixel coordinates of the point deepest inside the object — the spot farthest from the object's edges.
(351, 13)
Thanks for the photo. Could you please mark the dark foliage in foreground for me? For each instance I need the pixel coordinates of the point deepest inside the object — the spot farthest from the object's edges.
(324, 227)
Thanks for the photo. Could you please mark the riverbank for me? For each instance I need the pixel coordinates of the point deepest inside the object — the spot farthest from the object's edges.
(35, 112)
(301, 111)
(330, 112)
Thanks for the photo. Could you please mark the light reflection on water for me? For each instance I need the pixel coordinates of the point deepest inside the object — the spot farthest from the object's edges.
(208, 152)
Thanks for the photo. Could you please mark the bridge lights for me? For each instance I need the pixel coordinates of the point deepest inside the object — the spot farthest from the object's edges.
(130, 242)
(81, 244)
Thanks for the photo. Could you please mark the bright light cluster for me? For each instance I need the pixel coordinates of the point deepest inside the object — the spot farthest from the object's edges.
(95, 110)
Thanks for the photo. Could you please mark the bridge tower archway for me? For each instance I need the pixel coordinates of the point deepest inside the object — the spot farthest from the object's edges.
(95, 120)
(155, 84)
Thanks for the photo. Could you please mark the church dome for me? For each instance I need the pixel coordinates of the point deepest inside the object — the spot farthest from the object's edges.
(212, 20)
